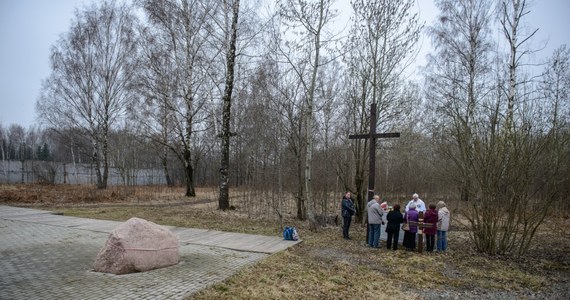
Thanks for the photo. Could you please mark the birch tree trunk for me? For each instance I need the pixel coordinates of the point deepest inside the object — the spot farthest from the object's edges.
(223, 201)
(311, 16)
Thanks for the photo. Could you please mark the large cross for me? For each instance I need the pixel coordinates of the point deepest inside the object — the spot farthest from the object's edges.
(372, 136)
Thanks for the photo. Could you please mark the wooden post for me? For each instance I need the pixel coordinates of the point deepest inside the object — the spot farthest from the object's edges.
(420, 232)
(421, 225)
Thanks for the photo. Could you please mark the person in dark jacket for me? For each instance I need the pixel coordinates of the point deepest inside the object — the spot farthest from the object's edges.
(410, 235)
(347, 211)
(430, 217)
(394, 218)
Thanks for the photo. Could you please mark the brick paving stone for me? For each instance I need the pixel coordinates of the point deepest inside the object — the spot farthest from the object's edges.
(40, 261)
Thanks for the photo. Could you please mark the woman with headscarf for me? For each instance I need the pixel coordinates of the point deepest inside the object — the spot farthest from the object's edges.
(411, 218)
(443, 221)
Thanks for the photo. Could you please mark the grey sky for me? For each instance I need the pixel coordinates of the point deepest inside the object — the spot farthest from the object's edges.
(28, 28)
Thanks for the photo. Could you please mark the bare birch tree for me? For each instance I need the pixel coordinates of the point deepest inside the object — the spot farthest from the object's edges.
(312, 17)
(156, 87)
(92, 69)
(223, 201)
(285, 95)
(507, 154)
(459, 78)
(184, 28)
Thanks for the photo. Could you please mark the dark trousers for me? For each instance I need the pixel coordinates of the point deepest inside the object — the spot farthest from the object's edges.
(392, 238)
(409, 240)
(346, 226)
(430, 242)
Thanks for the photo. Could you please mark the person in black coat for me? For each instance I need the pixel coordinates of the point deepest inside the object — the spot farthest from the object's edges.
(347, 212)
(394, 218)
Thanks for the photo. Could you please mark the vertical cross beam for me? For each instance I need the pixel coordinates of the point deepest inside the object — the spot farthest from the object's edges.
(372, 151)
(372, 136)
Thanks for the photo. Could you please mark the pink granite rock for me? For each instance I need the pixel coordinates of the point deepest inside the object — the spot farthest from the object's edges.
(137, 246)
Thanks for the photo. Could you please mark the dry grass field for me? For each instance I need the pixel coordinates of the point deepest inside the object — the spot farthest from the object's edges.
(325, 266)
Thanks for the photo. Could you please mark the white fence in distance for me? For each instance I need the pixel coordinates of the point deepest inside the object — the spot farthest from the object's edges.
(32, 171)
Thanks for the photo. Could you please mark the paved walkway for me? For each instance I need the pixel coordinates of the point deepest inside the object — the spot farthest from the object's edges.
(47, 256)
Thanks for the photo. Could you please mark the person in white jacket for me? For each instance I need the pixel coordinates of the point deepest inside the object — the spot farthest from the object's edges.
(443, 220)
(420, 205)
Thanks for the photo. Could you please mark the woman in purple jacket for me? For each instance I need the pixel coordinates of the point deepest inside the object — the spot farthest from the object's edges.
(430, 217)
(410, 235)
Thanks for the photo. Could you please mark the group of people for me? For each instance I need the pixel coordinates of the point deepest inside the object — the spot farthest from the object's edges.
(436, 217)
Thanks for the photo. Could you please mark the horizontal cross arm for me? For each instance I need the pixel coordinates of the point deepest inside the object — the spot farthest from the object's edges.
(420, 224)
(377, 135)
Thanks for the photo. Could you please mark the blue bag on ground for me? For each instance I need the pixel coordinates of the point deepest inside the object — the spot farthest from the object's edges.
(290, 233)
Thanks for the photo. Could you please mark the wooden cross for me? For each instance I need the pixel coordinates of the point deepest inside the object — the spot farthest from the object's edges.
(421, 225)
(372, 136)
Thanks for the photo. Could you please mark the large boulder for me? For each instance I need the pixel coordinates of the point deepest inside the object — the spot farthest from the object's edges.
(137, 246)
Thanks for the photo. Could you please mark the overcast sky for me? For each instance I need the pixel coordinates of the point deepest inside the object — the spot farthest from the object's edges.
(28, 28)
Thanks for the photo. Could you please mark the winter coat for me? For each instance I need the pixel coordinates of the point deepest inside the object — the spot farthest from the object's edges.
(375, 213)
(443, 220)
(412, 216)
(395, 218)
(347, 207)
(431, 217)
